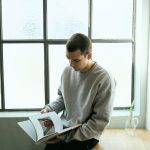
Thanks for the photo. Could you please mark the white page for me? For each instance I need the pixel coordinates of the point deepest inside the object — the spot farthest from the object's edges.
(56, 121)
(51, 115)
(28, 127)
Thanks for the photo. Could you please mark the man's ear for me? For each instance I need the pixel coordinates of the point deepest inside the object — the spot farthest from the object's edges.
(89, 55)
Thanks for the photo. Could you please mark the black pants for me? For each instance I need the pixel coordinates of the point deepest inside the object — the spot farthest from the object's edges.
(73, 145)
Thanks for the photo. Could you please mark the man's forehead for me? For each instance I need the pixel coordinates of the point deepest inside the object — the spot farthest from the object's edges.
(76, 53)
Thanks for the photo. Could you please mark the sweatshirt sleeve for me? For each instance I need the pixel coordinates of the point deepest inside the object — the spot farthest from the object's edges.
(102, 108)
(58, 104)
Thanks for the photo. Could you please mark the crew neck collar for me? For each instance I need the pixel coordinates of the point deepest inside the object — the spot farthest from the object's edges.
(92, 66)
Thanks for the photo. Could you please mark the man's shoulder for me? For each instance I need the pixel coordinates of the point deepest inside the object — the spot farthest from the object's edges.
(100, 70)
(103, 73)
(66, 70)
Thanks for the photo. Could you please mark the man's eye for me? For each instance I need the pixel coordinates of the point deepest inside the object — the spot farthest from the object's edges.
(77, 60)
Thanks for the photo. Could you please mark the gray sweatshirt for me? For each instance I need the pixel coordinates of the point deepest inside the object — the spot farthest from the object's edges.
(85, 98)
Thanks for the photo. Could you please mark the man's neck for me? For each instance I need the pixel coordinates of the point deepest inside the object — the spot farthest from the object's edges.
(88, 66)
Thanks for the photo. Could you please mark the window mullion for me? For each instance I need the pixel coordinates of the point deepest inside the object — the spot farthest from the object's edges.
(133, 48)
(46, 59)
(1, 62)
(90, 19)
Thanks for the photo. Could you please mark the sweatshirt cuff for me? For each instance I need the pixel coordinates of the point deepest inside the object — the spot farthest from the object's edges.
(48, 108)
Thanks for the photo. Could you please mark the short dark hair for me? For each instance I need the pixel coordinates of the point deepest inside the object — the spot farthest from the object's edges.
(79, 41)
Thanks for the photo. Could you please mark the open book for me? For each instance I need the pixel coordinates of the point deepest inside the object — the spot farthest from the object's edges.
(43, 127)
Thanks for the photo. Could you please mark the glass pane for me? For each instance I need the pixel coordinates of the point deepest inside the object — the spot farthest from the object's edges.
(24, 75)
(57, 62)
(112, 18)
(67, 17)
(22, 19)
(117, 58)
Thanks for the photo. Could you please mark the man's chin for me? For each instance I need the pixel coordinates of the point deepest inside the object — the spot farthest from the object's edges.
(76, 69)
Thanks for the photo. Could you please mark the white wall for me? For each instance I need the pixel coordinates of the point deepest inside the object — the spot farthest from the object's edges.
(148, 100)
(148, 89)
(144, 58)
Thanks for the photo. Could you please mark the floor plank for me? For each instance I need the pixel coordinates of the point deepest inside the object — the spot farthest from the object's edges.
(118, 139)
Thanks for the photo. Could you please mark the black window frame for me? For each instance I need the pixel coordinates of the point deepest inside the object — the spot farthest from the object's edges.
(46, 42)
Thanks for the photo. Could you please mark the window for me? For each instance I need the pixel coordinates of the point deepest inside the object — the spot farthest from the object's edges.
(33, 46)
(23, 75)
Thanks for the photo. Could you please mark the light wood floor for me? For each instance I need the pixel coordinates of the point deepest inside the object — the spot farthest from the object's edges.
(118, 139)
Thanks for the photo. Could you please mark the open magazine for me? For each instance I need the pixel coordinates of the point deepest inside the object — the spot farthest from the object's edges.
(43, 127)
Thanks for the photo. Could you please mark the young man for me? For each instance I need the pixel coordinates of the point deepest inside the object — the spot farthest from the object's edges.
(85, 96)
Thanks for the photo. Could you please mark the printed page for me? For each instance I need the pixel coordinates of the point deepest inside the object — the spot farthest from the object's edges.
(46, 124)
(28, 127)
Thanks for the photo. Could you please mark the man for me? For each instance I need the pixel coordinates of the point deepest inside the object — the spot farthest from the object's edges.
(85, 96)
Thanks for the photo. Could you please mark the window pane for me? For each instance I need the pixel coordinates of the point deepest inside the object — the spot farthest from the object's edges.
(67, 17)
(117, 58)
(57, 62)
(22, 19)
(24, 75)
(112, 18)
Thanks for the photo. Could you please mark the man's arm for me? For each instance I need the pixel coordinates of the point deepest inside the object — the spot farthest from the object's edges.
(100, 117)
(57, 105)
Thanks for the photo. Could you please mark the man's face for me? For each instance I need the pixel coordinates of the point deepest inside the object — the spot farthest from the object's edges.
(77, 60)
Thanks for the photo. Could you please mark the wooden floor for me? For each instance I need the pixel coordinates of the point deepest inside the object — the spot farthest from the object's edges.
(118, 139)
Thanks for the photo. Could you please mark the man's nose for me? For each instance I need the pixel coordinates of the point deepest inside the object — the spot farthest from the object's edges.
(71, 63)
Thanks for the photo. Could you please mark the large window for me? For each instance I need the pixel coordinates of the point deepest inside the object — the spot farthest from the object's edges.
(32, 50)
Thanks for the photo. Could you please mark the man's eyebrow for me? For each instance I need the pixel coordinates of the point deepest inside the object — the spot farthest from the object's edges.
(76, 59)
(73, 59)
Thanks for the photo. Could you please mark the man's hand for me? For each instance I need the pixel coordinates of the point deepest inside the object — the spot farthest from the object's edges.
(44, 110)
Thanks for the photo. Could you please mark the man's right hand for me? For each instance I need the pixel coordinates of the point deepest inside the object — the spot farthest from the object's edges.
(44, 110)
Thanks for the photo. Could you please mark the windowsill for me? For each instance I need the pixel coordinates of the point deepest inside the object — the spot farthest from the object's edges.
(119, 113)
(16, 114)
(20, 114)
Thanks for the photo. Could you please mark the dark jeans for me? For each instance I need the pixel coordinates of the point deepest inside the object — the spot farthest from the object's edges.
(73, 145)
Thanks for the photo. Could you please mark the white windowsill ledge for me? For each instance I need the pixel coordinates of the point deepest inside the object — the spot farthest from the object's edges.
(17, 114)
(21, 114)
